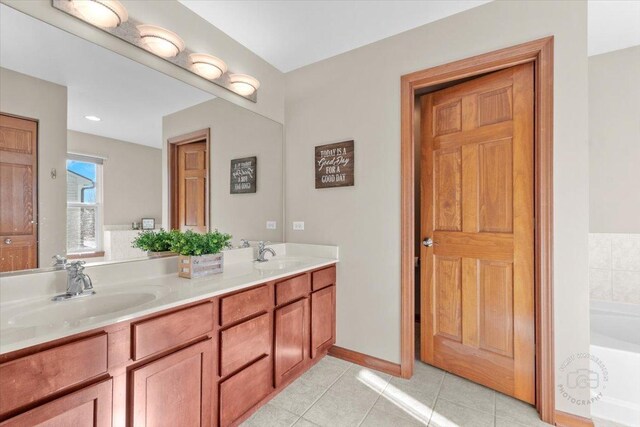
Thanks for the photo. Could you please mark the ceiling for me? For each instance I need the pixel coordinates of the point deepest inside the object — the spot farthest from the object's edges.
(130, 98)
(292, 34)
(613, 25)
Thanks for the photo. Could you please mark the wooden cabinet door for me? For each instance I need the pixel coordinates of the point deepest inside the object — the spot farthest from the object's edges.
(477, 209)
(291, 339)
(323, 320)
(18, 194)
(90, 406)
(175, 390)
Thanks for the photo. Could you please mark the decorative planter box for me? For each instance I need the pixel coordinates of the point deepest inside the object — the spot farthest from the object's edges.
(191, 267)
(159, 254)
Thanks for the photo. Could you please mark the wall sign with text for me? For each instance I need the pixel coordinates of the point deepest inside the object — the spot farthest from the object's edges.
(244, 175)
(334, 165)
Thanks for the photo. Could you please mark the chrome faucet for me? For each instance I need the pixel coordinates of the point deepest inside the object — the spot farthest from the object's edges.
(59, 262)
(78, 283)
(262, 249)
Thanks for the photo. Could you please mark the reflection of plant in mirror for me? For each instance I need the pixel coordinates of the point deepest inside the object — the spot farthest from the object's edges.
(190, 243)
(155, 241)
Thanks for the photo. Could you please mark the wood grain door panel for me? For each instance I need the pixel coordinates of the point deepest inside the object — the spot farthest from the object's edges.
(189, 181)
(90, 406)
(477, 206)
(245, 389)
(323, 317)
(18, 194)
(176, 389)
(244, 343)
(291, 339)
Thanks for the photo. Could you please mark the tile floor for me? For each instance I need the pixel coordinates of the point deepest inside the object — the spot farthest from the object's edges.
(337, 393)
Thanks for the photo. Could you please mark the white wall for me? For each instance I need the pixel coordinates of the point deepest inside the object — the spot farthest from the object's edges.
(132, 176)
(235, 133)
(356, 95)
(198, 34)
(614, 141)
(33, 98)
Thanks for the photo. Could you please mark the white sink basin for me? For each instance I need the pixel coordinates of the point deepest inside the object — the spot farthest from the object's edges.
(76, 311)
(276, 264)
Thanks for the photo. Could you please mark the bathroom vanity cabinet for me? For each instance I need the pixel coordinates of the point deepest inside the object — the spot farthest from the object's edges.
(210, 363)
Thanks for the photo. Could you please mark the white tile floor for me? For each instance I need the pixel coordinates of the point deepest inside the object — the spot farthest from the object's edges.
(337, 393)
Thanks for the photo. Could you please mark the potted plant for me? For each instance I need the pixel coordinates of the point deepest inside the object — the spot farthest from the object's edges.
(200, 254)
(155, 242)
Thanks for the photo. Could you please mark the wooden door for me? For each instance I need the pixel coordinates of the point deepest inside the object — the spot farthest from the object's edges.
(323, 320)
(291, 339)
(192, 175)
(90, 406)
(175, 390)
(18, 194)
(477, 208)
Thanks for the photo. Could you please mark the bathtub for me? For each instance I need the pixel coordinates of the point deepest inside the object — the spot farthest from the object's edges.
(615, 340)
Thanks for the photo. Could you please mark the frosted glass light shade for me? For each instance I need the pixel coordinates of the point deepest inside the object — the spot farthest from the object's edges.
(243, 84)
(207, 66)
(102, 13)
(160, 41)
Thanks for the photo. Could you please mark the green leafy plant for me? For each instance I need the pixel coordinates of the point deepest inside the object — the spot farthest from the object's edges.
(195, 244)
(155, 241)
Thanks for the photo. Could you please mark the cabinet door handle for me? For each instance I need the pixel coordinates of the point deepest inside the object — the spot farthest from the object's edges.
(428, 242)
(8, 241)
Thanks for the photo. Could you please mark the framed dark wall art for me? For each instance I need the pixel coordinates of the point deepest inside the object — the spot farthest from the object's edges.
(334, 164)
(244, 175)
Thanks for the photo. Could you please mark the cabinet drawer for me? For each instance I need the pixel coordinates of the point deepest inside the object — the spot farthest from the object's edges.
(241, 392)
(243, 343)
(31, 378)
(292, 289)
(239, 306)
(323, 278)
(170, 330)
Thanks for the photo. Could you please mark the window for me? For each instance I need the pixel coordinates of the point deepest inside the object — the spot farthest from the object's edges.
(84, 204)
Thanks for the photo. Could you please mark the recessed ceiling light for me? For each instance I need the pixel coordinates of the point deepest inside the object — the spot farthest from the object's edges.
(93, 118)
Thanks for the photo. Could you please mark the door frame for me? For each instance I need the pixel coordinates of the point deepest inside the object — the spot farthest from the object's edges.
(172, 162)
(540, 53)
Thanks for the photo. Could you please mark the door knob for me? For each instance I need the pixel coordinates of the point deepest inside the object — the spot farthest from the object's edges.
(428, 242)
(7, 241)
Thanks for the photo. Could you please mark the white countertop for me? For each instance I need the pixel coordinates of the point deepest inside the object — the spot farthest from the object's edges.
(27, 321)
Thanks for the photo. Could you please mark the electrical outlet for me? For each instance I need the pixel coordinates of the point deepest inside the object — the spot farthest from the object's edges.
(272, 225)
(298, 225)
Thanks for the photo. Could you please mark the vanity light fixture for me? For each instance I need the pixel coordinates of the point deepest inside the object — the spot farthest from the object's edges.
(93, 118)
(102, 13)
(160, 41)
(207, 66)
(243, 84)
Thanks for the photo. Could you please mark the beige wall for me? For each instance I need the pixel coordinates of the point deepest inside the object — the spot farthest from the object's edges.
(614, 141)
(356, 95)
(132, 177)
(236, 133)
(198, 34)
(26, 96)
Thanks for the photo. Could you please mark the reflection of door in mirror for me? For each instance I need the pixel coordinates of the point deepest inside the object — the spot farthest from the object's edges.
(189, 182)
(18, 193)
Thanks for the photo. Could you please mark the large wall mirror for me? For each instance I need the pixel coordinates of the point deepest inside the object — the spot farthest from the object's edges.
(94, 145)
